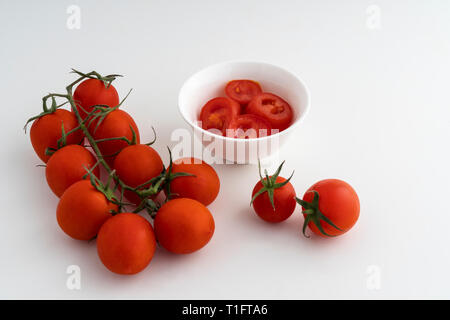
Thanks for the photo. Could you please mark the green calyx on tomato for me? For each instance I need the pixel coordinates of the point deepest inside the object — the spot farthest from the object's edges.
(269, 183)
(314, 215)
(156, 184)
(107, 80)
(46, 109)
(131, 142)
(62, 142)
(107, 191)
(169, 176)
(101, 111)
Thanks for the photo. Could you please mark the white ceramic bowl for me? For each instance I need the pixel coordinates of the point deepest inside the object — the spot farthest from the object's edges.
(210, 83)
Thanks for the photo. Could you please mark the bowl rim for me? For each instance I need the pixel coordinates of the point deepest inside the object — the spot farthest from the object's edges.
(224, 138)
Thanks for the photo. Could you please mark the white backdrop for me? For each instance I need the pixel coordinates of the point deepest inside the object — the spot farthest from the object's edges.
(378, 72)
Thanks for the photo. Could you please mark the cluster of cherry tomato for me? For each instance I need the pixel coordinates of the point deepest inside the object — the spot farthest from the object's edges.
(106, 208)
(330, 207)
(246, 112)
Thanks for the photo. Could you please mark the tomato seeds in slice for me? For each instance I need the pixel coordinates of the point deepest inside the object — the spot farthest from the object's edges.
(273, 108)
(218, 113)
(242, 91)
(247, 126)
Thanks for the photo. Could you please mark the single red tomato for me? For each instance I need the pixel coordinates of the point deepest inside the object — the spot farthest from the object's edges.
(67, 166)
(47, 130)
(116, 124)
(92, 92)
(203, 185)
(273, 108)
(273, 199)
(126, 243)
(183, 225)
(135, 165)
(330, 207)
(242, 91)
(218, 113)
(82, 210)
(248, 126)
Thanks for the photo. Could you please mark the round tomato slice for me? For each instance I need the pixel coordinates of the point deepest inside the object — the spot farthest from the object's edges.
(218, 113)
(273, 108)
(242, 91)
(247, 126)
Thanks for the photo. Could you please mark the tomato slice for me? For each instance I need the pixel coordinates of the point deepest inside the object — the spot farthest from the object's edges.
(247, 126)
(273, 108)
(218, 113)
(242, 91)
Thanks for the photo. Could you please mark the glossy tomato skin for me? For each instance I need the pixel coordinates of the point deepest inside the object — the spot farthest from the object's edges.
(116, 124)
(273, 108)
(217, 113)
(135, 165)
(82, 210)
(126, 243)
(204, 186)
(93, 92)
(67, 166)
(248, 126)
(284, 200)
(47, 130)
(242, 91)
(183, 225)
(338, 201)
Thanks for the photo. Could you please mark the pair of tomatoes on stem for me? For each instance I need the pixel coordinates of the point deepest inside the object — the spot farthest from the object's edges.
(89, 208)
(246, 112)
(330, 207)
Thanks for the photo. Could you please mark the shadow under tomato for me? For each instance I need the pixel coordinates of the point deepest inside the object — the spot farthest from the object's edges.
(290, 228)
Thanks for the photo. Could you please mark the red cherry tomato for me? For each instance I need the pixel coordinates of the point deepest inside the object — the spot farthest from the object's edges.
(135, 165)
(248, 126)
(337, 201)
(126, 243)
(242, 91)
(93, 92)
(273, 108)
(116, 124)
(183, 225)
(283, 199)
(47, 130)
(203, 186)
(67, 166)
(218, 113)
(82, 210)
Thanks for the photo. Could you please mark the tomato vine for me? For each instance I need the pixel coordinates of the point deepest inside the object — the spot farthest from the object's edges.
(98, 114)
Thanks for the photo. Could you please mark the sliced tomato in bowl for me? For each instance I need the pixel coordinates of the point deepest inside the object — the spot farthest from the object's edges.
(217, 113)
(273, 108)
(242, 91)
(247, 126)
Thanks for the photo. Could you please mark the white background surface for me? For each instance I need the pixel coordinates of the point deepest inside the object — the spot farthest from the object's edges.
(379, 119)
